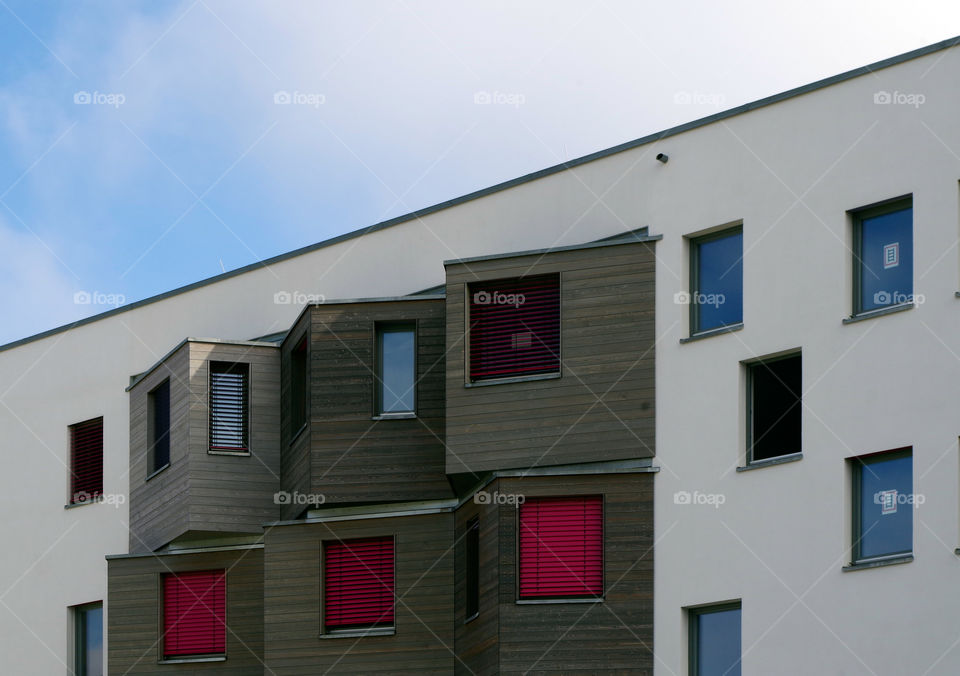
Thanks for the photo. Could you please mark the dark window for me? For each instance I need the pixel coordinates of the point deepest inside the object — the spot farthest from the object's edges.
(229, 406)
(159, 412)
(194, 613)
(774, 408)
(883, 504)
(396, 365)
(358, 583)
(88, 647)
(883, 256)
(715, 640)
(473, 568)
(561, 547)
(716, 280)
(515, 327)
(298, 386)
(86, 461)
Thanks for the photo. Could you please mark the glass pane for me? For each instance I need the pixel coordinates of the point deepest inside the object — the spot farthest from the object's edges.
(92, 641)
(886, 255)
(718, 643)
(396, 371)
(886, 506)
(719, 297)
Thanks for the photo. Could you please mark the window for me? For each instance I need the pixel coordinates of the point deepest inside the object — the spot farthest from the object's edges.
(159, 433)
(229, 407)
(515, 327)
(396, 366)
(774, 407)
(561, 547)
(716, 280)
(298, 386)
(358, 584)
(88, 639)
(194, 613)
(86, 461)
(473, 568)
(883, 256)
(715, 640)
(882, 504)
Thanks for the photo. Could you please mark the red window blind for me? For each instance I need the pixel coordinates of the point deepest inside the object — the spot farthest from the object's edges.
(229, 419)
(358, 583)
(561, 547)
(86, 460)
(194, 613)
(515, 327)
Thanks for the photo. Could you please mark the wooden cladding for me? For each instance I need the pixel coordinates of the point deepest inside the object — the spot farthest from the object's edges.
(514, 327)
(358, 581)
(86, 460)
(194, 613)
(229, 407)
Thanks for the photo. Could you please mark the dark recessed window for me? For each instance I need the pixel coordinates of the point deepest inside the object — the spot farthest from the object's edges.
(473, 568)
(159, 426)
(515, 327)
(561, 547)
(883, 504)
(775, 388)
(298, 386)
(86, 461)
(883, 256)
(88, 639)
(396, 366)
(715, 640)
(716, 280)
(358, 584)
(229, 407)
(194, 613)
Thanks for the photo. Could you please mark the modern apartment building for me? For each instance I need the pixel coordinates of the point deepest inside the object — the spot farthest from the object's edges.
(678, 407)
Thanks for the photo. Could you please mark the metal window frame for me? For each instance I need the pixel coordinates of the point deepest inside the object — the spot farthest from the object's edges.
(473, 527)
(161, 613)
(152, 467)
(393, 326)
(247, 405)
(750, 391)
(693, 630)
(860, 215)
(79, 634)
(857, 465)
(373, 630)
(695, 243)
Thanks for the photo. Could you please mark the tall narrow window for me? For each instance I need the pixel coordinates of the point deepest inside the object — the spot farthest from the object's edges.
(159, 426)
(515, 327)
(561, 547)
(716, 280)
(194, 613)
(396, 366)
(774, 408)
(88, 639)
(883, 256)
(715, 640)
(298, 386)
(86, 461)
(883, 505)
(472, 572)
(358, 584)
(229, 407)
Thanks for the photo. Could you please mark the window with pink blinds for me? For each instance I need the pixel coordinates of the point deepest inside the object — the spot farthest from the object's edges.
(194, 613)
(358, 583)
(86, 461)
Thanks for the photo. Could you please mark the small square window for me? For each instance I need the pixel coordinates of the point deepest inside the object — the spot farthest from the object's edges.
(715, 640)
(358, 584)
(194, 613)
(716, 280)
(883, 502)
(883, 256)
(88, 639)
(396, 368)
(229, 407)
(298, 386)
(774, 407)
(158, 404)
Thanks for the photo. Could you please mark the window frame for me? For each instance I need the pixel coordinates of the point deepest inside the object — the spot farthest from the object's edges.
(355, 630)
(398, 326)
(693, 630)
(751, 390)
(247, 407)
(857, 464)
(694, 289)
(858, 216)
(79, 635)
(152, 467)
(472, 565)
(163, 657)
(74, 489)
(299, 399)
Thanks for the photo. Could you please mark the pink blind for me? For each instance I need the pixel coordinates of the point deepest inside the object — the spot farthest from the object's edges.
(194, 613)
(358, 583)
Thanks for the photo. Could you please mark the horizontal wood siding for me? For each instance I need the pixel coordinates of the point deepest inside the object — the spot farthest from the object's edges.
(602, 406)
(477, 641)
(295, 458)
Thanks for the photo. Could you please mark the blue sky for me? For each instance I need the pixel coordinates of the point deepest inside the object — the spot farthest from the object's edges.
(142, 145)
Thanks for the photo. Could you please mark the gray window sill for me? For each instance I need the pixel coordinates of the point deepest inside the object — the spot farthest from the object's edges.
(406, 415)
(878, 562)
(296, 436)
(193, 660)
(543, 602)
(359, 633)
(91, 501)
(156, 472)
(770, 462)
(472, 618)
(712, 332)
(242, 454)
(878, 313)
(517, 379)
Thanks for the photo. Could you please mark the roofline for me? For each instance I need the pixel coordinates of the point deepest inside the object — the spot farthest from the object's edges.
(526, 178)
(557, 249)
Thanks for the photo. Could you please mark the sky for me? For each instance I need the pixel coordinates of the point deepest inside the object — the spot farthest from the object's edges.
(149, 145)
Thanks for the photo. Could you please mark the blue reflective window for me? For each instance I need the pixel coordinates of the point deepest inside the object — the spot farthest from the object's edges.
(396, 364)
(89, 640)
(884, 509)
(716, 291)
(715, 641)
(884, 258)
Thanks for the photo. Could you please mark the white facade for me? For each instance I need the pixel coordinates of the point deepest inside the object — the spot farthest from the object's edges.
(790, 171)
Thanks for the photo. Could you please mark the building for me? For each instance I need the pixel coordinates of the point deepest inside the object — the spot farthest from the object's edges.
(784, 279)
